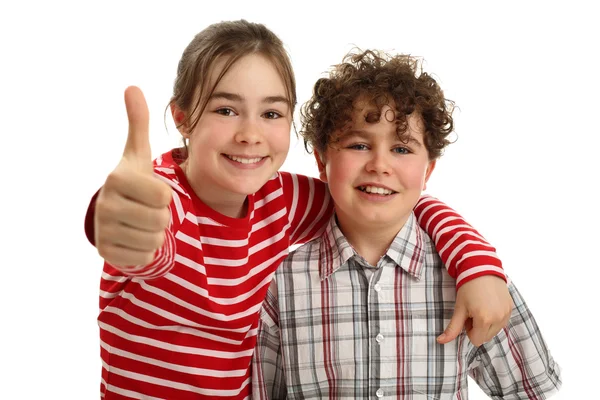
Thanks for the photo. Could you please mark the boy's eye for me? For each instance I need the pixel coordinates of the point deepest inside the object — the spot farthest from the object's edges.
(358, 146)
(272, 115)
(228, 112)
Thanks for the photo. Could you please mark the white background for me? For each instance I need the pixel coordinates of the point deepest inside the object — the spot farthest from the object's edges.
(524, 170)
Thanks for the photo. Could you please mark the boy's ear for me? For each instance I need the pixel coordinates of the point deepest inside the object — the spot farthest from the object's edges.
(321, 165)
(179, 118)
(430, 169)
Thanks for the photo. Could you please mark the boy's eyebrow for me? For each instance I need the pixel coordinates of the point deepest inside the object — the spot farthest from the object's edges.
(237, 97)
(367, 135)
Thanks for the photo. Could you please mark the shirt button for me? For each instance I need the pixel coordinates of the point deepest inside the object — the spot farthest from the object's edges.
(377, 287)
(379, 338)
(379, 392)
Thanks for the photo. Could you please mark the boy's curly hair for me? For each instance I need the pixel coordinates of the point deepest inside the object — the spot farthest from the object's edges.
(376, 77)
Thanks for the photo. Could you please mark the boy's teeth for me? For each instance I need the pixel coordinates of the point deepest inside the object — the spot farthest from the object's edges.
(376, 190)
(245, 160)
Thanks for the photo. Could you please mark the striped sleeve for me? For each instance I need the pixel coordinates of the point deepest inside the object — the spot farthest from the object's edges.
(465, 253)
(516, 363)
(309, 206)
(164, 259)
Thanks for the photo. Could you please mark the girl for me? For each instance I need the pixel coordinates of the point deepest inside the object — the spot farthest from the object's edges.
(189, 256)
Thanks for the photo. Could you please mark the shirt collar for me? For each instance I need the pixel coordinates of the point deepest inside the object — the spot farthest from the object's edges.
(406, 250)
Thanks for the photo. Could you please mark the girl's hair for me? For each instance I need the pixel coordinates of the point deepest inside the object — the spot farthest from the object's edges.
(378, 78)
(232, 40)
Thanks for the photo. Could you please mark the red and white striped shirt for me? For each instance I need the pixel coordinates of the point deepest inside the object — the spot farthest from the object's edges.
(184, 327)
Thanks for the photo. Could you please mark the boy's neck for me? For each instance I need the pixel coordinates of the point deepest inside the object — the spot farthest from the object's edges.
(370, 241)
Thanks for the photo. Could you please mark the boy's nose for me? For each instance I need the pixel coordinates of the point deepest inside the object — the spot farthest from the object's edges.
(379, 163)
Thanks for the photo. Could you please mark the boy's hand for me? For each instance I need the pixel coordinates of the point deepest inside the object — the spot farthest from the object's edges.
(132, 207)
(483, 307)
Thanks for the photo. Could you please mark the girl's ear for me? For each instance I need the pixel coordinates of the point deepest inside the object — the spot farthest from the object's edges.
(179, 118)
(321, 166)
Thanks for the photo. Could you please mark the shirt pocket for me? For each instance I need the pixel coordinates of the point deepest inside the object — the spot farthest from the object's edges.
(434, 371)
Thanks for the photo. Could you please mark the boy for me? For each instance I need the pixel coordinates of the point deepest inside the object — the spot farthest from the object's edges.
(355, 313)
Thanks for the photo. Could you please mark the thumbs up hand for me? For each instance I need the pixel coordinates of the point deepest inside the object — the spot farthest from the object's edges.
(132, 212)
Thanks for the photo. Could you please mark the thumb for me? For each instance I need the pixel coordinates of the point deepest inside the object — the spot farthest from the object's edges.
(138, 137)
(455, 326)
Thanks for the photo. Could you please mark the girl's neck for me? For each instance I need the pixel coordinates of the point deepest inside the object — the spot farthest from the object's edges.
(233, 205)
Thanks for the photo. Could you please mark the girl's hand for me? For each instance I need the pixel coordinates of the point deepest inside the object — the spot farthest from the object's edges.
(483, 307)
(132, 212)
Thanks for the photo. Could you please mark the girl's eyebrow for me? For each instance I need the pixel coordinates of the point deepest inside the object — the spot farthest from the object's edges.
(238, 98)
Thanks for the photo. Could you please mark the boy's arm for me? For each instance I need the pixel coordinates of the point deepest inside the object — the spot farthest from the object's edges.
(268, 379)
(482, 305)
(516, 364)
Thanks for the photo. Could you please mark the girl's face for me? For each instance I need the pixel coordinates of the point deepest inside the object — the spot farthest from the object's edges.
(243, 136)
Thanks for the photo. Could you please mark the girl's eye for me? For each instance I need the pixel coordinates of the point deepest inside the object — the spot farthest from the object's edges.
(227, 112)
(401, 150)
(272, 115)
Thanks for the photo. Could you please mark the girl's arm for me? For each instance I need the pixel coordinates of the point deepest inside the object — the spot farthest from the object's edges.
(466, 254)
(483, 305)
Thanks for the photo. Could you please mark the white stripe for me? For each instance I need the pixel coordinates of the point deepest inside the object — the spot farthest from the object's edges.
(270, 219)
(295, 196)
(455, 237)
(174, 299)
(130, 393)
(190, 263)
(468, 228)
(225, 262)
(477, 253)
(178, 207)
(254, 271)
(108, 277)
(178, 328)
(441, 226)
(177, 385)
(173, 347)
(174, 184)
(222, 242)
(268, 242)
(166, 170)
(444, 211)
(108, 295)
(188, 239)
(173, 367)
(475, 270)
(203, 220)
(204, 293)
(268, 198)
(425, 199)
(318, 217)
(461, 245)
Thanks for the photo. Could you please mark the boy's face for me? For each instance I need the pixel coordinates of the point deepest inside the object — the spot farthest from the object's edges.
(375, 179)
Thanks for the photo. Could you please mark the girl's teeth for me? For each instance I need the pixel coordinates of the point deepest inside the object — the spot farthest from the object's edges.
(375, 190)
(245, 160)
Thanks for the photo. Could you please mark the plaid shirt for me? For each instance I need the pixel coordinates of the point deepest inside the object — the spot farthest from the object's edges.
(329, 330)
